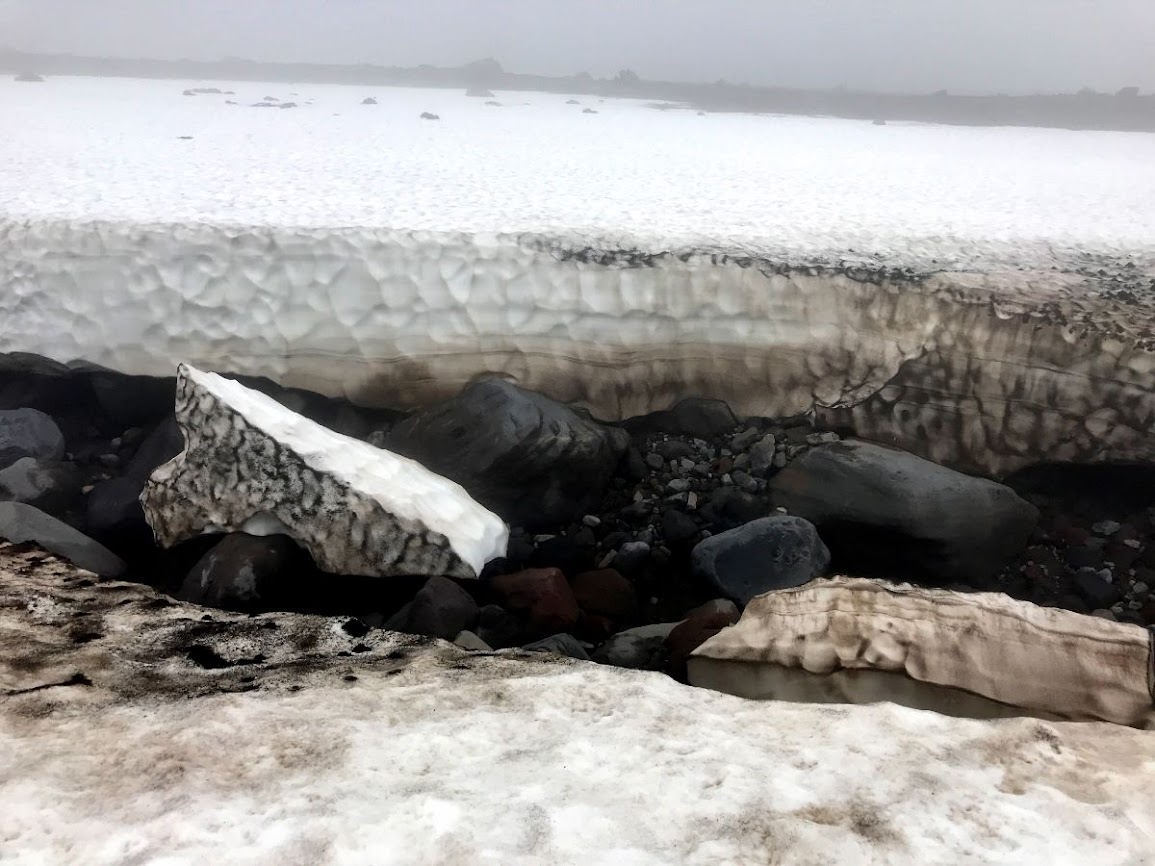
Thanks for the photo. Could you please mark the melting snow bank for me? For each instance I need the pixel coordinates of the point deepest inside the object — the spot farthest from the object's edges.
(132, 728)
(251, 465)
(968, 362)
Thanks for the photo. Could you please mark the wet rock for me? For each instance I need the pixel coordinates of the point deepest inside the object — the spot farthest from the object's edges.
(28, 433)
(542, 597)
(1097, 592)
(533, 460)
(243, 573)
(497, 626)
(881, 509)
(559, 644)
(467, 640)
(770, 553)
(762, 455)
(641, 648)
(49, 485)
(20, 522)
(678, 527)
(632, 557)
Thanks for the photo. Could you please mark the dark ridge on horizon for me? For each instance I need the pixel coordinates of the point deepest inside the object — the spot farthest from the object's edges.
(1126, 110)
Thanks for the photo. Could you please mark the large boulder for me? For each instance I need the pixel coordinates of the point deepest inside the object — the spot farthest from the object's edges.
(694, 416)
(531, 459)
(441, 609)
(763, 555)
(20, 522)
(641, 648)
(28, 433)
(889, 512)
(251, 465)
(49, 485)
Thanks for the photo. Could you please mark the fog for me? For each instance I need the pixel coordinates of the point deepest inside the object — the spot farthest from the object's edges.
(971, 46)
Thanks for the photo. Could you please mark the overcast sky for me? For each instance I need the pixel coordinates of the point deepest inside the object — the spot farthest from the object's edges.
(914, 45)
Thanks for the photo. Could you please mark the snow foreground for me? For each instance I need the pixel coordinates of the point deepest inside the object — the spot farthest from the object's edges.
(135, 729)
(982, 297)
(252, 465)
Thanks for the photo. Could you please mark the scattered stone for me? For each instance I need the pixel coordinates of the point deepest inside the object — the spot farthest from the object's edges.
(243, 572)
(1097, 592)
(705, 419)
(20, 522)
(29, 78)
(559, 644)
(882, 509)
(533, 460)
(764, 555)
(678, 527)
(28, 433)
(589, 111)
(632, 557)
(252, 465)
(762, 455)
(467, 640)
(542, 596)
(497, 626)
(368, 100)
(592, 521)
(479, 92)
(655, 461)
(49, 485)
(572, 102)
(690, 634)
(1105, 528)
(429, 115)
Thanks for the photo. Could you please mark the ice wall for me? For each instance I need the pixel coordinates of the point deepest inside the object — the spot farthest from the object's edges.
(988, 370)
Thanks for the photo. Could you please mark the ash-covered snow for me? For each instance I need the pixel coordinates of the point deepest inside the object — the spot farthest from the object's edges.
(293, 751)
(631, 176)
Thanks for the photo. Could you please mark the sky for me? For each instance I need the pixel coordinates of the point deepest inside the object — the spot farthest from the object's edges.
(965, 46)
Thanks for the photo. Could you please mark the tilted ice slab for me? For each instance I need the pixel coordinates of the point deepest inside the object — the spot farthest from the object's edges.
(250, 464)
(403, 753)
(980, 296)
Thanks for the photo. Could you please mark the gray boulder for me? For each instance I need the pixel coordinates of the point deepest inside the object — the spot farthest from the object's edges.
(20, 522)
(887, 511)
(242, 572)
(532, 460)
(693, 416)
(763, 555)
(559, 644)
(49, 485)
(641, 648)
(28, 433)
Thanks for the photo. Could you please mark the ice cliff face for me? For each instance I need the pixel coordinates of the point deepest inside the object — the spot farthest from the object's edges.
(986, 368)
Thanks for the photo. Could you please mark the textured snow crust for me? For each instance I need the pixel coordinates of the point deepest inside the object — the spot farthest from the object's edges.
(358, 509)
(982, 296)
(417, 752)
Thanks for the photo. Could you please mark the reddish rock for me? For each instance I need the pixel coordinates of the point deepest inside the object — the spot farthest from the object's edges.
(1121, 554)
(605, 593)
(690, 634)
(1071, 535)
(724, 465)
(542, 597)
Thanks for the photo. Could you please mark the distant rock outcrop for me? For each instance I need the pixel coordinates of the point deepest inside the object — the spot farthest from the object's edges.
(29, 77)
(429, 115)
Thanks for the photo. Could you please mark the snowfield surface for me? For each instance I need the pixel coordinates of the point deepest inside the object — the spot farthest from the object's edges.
(295, 752)
(109, 149)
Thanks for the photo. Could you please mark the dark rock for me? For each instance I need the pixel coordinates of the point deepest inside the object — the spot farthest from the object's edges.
(641, 648)
(114, 511)
(429, 115)
(530, 459)
(1083, 557)
(479, 92)
(766, 554)
(244, 572)
(542, 597)
(20, 522)
(49, 485)
(28, 433)
(563, 553)
(678, 527)
(497, 626)
(31, 78)
(728, 508)
(632, 557)
(589, 111)
(572, 102)
(441, 609)
(704, 419)
(887, 511)
(133, 401)
(559, 644)
(673, 449)
(608, 594)
(368, 100)
(690, 634)
(1097, 592)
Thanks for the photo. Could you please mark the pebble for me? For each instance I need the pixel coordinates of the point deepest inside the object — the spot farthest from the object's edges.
(1105, 527)
(745, 439)
(655, 461)
(592, 521)
(1140, 588)
(606, 560)
(1133, 543)
(780, 460)
(678, 485)
(821, 438)
(692, 500)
